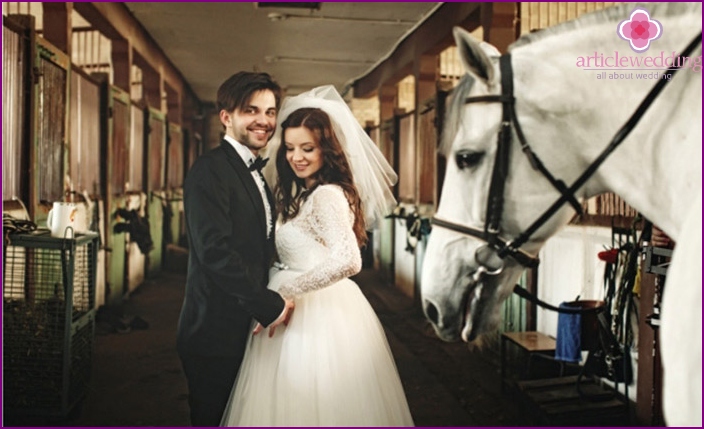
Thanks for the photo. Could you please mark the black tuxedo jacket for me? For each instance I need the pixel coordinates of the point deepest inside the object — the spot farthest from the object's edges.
(229, 257)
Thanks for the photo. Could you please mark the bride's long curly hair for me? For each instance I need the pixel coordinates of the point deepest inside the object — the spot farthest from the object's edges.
(291, 191)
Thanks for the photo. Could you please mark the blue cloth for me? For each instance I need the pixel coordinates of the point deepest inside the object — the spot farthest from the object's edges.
(568, 344)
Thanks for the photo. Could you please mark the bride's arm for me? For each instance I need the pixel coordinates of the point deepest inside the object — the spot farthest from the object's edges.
(331, 221)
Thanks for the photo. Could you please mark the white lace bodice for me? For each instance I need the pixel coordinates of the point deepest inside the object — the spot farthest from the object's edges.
(319, 242)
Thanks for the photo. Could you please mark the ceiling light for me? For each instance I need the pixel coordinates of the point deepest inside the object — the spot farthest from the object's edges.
(269, 59)
(296, 5)
(275, 17)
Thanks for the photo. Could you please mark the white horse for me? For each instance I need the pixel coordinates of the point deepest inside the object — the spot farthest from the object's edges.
(568, 117)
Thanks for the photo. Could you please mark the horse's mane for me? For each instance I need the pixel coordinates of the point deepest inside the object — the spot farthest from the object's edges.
(612, 14)
(453, 117)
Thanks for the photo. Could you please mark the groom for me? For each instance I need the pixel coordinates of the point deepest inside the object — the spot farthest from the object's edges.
(229, 218)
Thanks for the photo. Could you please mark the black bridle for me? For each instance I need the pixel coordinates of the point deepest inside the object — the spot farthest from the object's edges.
(490, 256)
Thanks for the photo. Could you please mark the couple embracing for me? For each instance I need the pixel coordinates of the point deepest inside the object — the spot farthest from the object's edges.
(256, 255)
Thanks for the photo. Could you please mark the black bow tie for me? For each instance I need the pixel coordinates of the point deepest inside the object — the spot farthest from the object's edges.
(258, 164)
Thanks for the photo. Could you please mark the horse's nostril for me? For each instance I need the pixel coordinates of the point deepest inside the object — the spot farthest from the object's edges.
(431, 312)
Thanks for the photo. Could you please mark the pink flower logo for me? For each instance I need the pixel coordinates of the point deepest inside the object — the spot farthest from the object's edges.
(639, 29)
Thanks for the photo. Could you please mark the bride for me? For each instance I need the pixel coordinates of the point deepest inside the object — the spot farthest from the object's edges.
(331, 366)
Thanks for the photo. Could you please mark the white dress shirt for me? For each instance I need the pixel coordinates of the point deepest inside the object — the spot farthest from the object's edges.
(248, 158)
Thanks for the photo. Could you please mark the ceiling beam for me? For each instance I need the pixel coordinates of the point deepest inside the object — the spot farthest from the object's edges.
(115, 21)
(433, 35)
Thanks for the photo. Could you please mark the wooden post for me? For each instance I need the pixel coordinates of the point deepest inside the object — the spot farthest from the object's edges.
(122, 64)
(173, 105)
(57, 25)
(151, 87)
(499, 21)
(387, 101)
(426, 72)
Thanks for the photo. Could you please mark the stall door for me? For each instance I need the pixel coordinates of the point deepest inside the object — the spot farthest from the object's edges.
(84, 145)
(136, 260)
(404, 259)
(15, 146)
(427, 165)
(155, 155)
(50, 150)
(15, 60)
(384, 237)
(84, 162)
(174, 183)
(117, 166)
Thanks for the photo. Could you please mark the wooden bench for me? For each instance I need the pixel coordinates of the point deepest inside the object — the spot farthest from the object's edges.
(531, 343)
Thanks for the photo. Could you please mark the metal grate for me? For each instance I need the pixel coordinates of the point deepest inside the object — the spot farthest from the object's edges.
(48, 322)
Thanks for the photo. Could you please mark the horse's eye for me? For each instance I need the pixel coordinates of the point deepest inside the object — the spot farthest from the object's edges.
(468, 158)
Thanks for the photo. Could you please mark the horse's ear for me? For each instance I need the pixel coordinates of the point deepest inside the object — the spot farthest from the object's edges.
(475, 54)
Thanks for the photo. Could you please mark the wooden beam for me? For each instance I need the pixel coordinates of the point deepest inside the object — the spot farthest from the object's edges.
(122, 64)
(57, 25)
(151, 87)
(500, 21)
(426, 72)
(387, 102)
(174, 111)
(115, 21)
(431, 36)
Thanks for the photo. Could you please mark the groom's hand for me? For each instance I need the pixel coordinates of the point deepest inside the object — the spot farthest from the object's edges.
(284, 318)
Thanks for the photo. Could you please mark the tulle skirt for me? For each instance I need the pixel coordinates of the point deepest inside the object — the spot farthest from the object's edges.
(331, 366)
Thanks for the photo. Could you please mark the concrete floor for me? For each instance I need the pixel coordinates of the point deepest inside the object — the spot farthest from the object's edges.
(137, 378)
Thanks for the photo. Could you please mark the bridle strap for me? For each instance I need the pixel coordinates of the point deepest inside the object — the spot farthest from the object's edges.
(537, 164)
(525, 294)
(618, 138)
(519, 255)
(495, 203)
(489, 99)
(509, 117)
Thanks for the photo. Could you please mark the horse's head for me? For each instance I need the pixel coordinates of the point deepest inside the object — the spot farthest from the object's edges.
(464, 279)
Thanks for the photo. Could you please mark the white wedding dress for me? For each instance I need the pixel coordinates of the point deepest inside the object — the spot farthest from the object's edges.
(331, 366)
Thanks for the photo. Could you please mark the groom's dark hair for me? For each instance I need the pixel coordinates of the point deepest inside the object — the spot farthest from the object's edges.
(237, 90)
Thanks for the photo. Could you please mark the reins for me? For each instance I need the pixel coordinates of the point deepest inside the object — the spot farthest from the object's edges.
(492, 254)
(523, 293)
(618, 138)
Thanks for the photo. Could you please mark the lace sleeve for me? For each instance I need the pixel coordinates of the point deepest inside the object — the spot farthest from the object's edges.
(330, 221)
